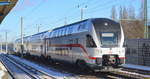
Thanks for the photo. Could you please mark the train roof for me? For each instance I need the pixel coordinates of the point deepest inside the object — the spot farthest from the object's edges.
(32, 35)
(92, 19)
(39, 33)
(71, 24)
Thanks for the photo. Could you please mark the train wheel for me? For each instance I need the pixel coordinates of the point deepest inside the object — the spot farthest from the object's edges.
(82, 65)
(51, 61)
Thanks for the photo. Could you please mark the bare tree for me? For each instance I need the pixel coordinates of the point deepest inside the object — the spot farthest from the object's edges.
(121, 13)
(113, 13)
(125, 13)
(131, 12)
(141, 13)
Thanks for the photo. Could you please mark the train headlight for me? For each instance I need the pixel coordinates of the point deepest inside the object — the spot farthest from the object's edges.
(106, 24)
(98, 61)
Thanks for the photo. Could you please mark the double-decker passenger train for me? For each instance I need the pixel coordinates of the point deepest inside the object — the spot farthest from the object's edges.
(96, 43)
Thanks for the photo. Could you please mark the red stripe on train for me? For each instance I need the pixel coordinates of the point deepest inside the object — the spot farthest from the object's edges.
(82, 47)
(122, 57)
(76, 45)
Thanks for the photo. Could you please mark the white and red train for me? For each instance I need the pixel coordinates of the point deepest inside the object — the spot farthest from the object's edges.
(96, 43)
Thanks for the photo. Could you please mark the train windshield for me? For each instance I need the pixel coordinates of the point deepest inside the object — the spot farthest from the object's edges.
(108, 39)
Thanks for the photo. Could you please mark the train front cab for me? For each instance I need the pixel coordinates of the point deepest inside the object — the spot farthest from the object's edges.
(109, 36)
(107, 58)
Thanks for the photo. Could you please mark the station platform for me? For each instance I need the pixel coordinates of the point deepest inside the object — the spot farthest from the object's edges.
(4, 73)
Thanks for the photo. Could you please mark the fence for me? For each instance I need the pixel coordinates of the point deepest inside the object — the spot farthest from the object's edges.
(138, 51)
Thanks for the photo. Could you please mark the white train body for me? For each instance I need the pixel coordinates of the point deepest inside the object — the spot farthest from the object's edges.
(97, 42)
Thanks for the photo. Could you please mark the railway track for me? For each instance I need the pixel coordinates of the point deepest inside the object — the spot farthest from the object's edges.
(133, 75)
(121, 74)
(143, 72)
(30, 71)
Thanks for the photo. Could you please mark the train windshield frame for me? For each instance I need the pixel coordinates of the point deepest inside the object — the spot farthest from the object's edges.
(109, 39)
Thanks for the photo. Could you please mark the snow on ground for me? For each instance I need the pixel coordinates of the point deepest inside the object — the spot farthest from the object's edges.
(137, 67)
(147, 68)
(136, 74)
(2, 73)
(2, 69)
(51, 71)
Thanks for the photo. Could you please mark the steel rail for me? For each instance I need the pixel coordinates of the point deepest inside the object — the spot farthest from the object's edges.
(21, 68)
(33, 70)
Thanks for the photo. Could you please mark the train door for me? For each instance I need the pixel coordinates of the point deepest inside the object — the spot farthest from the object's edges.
(75, 50)
(45, 47)
(68, 51)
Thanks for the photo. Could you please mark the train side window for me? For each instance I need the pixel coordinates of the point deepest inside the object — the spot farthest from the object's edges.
(66, 31)
(70, 41)
(62, 32)
(70, 29)
(82, 27)
(89, 41)
(49, 42)
(50, 34)
(76, 41)
(58, 33)
(54, 34)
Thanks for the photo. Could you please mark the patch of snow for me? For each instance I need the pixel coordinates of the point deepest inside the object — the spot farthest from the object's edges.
(137, 67)
(135, 74)
(147, 68)
(51, 71)
(1, 74)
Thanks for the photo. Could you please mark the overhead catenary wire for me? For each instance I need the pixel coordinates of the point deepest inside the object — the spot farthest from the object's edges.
(72, 11)
(34, 9)
(59, 20)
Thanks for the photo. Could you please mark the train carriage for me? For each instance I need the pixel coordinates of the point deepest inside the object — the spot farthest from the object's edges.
(96, 43)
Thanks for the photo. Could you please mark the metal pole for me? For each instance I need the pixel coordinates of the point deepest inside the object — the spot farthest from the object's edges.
(21, 30)
(39, 26)
(146, 34)
(38, 29)
(22, 48)
(82, 9)
(65, 21)
(6, 41)
(81, 14)
(1, 43)
(1, 47)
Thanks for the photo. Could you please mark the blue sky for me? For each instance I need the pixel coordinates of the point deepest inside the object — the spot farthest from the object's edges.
(49, 14)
